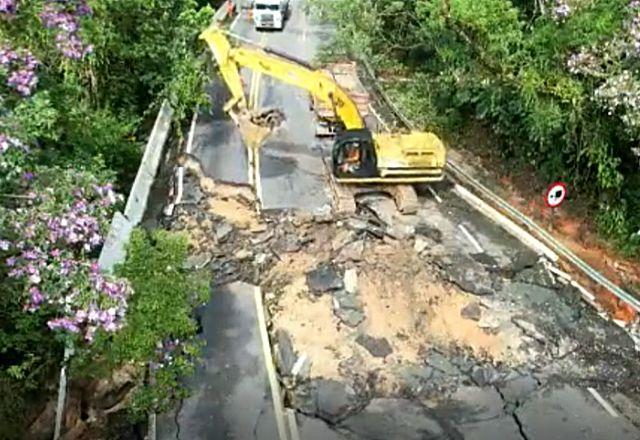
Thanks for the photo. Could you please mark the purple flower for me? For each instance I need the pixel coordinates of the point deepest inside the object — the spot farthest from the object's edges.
(9, 7)
(36, 296)
(11, 261)
(28, 176)
(64, 323)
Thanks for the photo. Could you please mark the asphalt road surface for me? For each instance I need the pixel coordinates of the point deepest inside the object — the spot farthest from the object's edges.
(292, 177)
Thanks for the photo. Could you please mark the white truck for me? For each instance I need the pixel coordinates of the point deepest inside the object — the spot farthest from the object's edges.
(270, 14)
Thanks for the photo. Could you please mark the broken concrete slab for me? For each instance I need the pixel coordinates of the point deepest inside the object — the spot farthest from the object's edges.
(502, 428)
(486, 375)
(567, 413)
(378, 347)
(469, 275)
(327, 399)
(324, 279)
(429, 232)
(389, 418)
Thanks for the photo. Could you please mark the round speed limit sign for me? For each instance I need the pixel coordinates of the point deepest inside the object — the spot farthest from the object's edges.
(556, 193)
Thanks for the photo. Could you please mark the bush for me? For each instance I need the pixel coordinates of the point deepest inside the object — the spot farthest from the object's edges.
(160, 330)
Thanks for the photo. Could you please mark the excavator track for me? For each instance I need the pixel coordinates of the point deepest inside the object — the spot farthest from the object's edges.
(344, 196)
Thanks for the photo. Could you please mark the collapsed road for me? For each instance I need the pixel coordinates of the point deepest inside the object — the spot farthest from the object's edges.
(433, 325)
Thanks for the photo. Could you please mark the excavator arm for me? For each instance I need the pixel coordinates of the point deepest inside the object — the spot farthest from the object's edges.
(283, 68)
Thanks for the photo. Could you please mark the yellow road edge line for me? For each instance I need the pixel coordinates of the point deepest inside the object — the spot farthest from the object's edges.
(271, 371)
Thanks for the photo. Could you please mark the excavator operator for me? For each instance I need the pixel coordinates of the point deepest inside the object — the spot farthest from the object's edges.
(352, 158)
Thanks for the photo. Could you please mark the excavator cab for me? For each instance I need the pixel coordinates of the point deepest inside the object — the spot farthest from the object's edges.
(354, 154)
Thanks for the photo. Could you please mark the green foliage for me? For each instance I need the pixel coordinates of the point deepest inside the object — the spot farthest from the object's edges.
(505, 65)
(160, 310)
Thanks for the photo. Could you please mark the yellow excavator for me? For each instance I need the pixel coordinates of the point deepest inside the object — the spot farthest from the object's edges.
(358, 155)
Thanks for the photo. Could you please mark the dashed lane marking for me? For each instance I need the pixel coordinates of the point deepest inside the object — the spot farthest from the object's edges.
(434, 194)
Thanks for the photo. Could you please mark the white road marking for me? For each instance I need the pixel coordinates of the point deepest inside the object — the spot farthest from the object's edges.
(268, 360)
(596, 395)
(434, 194)
(471, 238)
(258, 180)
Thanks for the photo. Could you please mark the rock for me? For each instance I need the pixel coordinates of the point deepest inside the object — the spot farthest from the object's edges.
(420, 244)
(324, 279)
(198, 261)
(352, 251)
(341, 239)
(439, 362)
(400, 231)
(415, 377)
(471, 277)
(351, 281)
(429, 232)
(529, 330)
(485, 375)
(223, 230)
(486, 260)
(471, 311)
(285, 355)
(242, 254)
(346, 300)
(334, 399)
(386, 419)
(352, 318)
(522, 260)
(258, 228)
(378, 347)
(287, 244)
(261, 258)
(302, 367)
(536, 276)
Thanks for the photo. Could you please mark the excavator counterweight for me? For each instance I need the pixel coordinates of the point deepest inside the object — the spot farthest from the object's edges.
(358, 155)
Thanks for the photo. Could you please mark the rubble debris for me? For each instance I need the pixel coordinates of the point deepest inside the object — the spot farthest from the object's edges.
(486, 375)
(388, 418)
(285, 354)
(471, 311)
(324, 279)
(430, 233)
(342, 238)
(327, 399)
(420, 244)
(351, 318)
(346, 300)
(352, 252)
(302, 367)
(378, 347)
(287, 244)
(441, 363)
(351, 281)
(529, 330)
(198, 261)
(516, 390)
(223, 230)
(469, 275)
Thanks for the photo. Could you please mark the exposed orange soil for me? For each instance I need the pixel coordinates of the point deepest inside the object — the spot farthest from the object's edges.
(576, 233)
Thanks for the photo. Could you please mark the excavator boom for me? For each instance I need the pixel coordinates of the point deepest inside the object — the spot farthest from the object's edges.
(358, 155)
(283, 68)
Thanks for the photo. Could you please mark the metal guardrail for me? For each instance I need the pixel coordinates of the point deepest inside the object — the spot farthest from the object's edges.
(113, 250)
(457, 173)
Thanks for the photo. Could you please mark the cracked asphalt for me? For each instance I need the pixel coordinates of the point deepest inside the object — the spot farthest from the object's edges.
(543, 386)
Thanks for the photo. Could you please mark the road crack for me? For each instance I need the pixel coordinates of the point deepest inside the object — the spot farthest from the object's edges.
(511, 408)
(176, 418)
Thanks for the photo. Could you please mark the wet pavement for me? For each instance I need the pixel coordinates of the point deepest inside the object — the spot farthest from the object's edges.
(230, 395)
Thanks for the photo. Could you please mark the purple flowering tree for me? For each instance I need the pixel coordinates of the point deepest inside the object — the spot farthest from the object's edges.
(48, 240)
